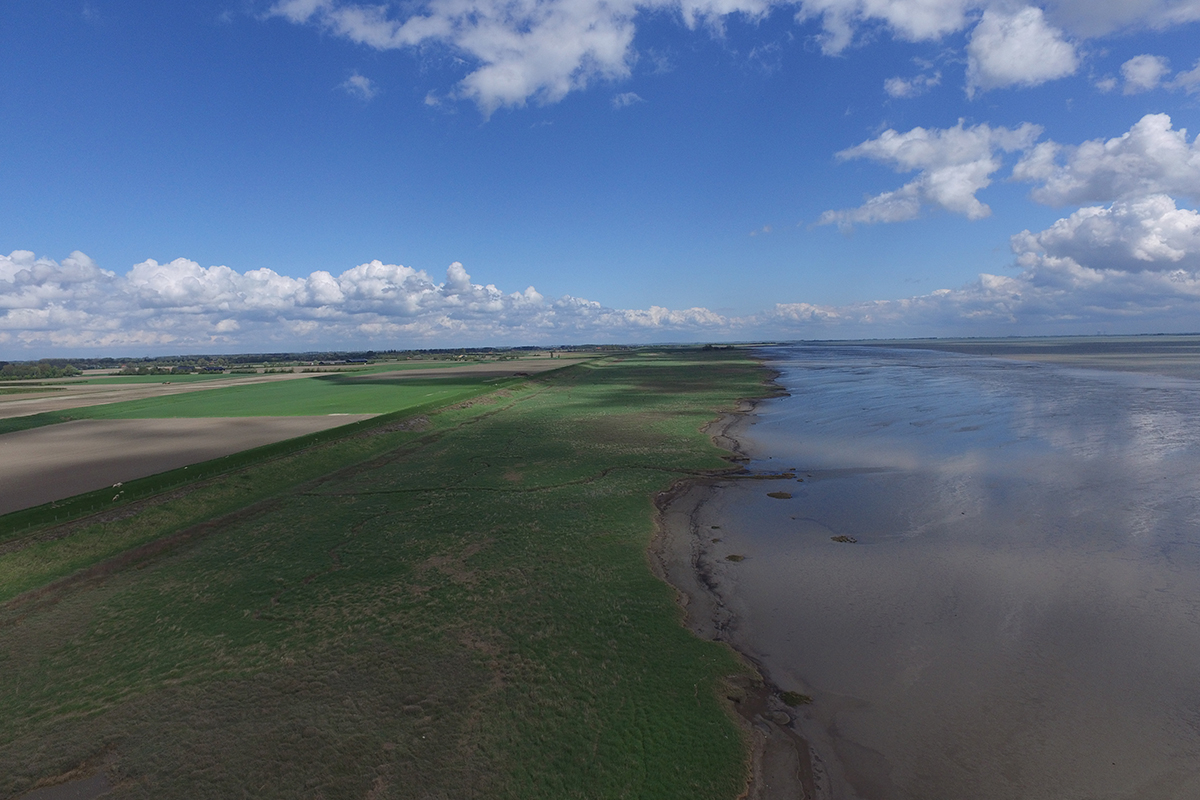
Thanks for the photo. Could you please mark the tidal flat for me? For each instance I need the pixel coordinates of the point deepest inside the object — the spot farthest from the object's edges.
(987, 576)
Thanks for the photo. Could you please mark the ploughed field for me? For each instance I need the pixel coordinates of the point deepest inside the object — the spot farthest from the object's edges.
(62, 452)
(54, 462)
(449, 600)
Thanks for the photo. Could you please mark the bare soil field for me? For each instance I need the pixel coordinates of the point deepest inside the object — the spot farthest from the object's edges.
(59, 461)
(503, 370)
(78, 394)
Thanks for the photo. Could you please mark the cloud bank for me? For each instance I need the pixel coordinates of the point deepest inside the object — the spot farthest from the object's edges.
(76, 305)
(1128, 266)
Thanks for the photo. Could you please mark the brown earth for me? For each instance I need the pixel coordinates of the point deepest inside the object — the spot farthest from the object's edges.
(78, 394)
(72, 393)
(487, 370)
(59, 461)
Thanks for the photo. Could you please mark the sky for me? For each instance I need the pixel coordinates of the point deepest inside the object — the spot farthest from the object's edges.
(272, 175)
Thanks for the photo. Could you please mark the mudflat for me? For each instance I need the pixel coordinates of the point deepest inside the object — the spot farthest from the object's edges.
(986, 576)
(59, 461)
(1176, 355)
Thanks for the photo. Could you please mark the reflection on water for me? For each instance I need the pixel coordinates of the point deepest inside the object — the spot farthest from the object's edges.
(1020, 615)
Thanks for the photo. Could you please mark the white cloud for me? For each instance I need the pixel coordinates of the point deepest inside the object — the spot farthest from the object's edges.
(953, 164)
(912, 20)
(359, 86)
(1130, 267)
(1148, 233)
(517, 51)
(903, 88)
(1188, 81)
(1150, 158)
(625, 99)
(1143, 73)
(181, 305)
(1101, 17)
(534, 49)
(1017, 49)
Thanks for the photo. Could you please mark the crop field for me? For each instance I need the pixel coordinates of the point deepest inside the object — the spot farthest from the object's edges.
(453, 605)
(392, 366)
(360, 392)
(322, 394)
(55, 462)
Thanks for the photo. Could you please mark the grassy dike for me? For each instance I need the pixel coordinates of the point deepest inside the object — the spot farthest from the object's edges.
(468, 614)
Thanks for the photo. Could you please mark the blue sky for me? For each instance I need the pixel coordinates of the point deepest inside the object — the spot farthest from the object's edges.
(207, 176)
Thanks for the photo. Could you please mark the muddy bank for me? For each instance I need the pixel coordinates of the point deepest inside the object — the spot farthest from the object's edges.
(782, 765)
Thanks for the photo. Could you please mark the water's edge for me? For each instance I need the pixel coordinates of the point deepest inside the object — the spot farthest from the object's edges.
(781, 763)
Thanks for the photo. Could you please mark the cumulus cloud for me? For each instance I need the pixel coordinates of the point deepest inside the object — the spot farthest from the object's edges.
(180, 304)
(1132, 265)
(359, 86)
(952, 163)
(1149, 233)
(1143, 73)
(1017, 49)
(903, 88)
(540, 50)
(1152, 157)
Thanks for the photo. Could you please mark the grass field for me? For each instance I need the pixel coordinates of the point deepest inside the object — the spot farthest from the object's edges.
(320, 394)
(461, 609)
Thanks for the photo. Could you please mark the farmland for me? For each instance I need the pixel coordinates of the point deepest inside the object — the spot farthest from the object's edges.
(454, 603)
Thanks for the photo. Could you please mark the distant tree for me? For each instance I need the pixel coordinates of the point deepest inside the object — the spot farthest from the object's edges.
(32, 370)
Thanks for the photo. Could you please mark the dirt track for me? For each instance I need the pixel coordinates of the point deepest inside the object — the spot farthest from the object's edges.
(58, 461)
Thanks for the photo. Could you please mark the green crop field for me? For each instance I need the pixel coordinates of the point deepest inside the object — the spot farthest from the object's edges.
(117, 380)
(456, 607)
(321, 394)
(316, 395)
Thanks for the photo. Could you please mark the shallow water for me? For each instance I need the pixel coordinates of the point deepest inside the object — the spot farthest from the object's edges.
(1020, 615)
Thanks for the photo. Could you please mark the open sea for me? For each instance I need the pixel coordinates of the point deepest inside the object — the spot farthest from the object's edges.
(1018, 614)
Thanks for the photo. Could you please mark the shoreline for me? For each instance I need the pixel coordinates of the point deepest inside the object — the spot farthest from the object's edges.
(781, 763)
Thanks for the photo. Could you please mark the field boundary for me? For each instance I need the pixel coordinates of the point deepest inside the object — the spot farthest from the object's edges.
(16, 525)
